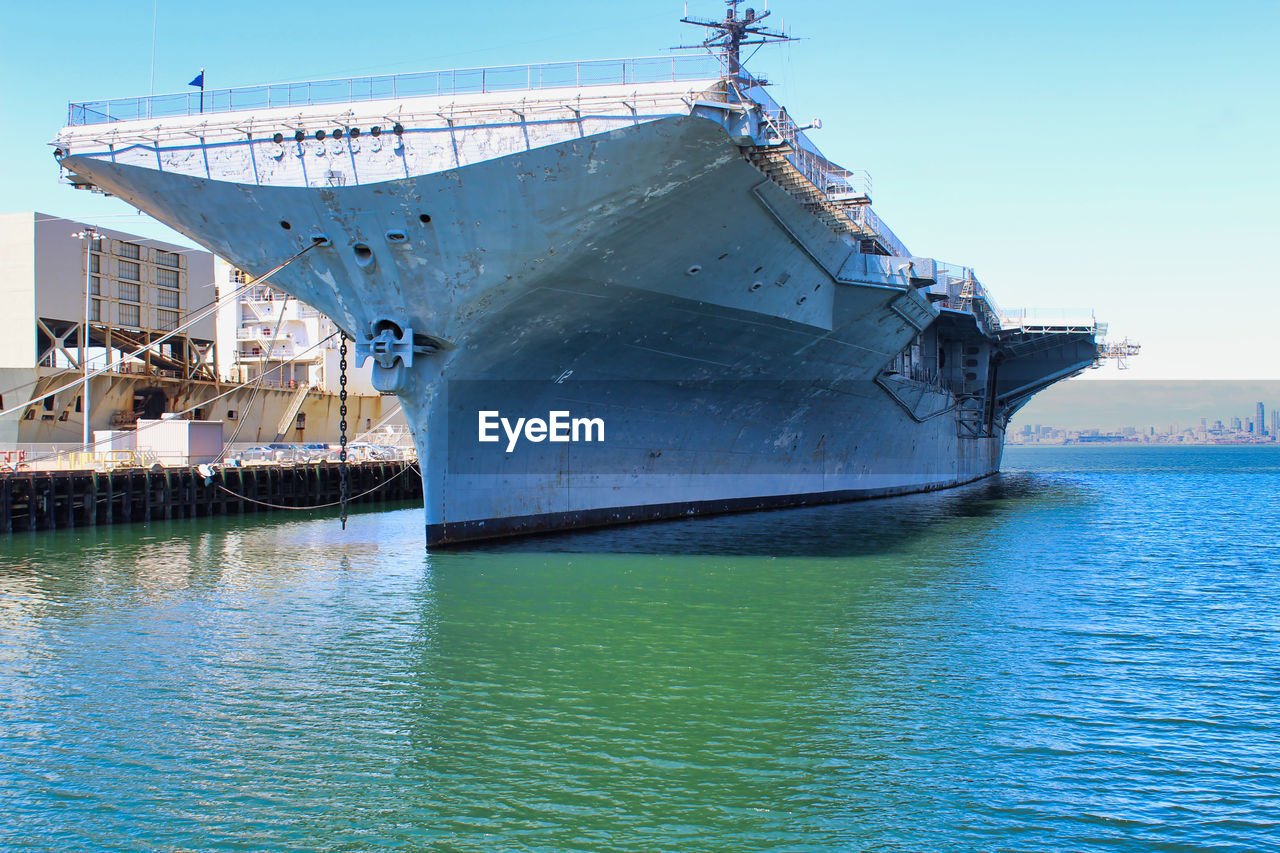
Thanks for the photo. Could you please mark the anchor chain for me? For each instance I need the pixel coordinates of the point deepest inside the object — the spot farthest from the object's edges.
(342, 427)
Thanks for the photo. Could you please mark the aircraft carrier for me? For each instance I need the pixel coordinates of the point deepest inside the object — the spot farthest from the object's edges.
(651, 246)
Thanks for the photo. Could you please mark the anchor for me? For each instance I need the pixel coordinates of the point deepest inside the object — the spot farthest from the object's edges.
(391, 346)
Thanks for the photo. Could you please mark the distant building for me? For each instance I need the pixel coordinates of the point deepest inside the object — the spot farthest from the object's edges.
(288, 343)
(1261, 420)
(140, 289)
(139, 292)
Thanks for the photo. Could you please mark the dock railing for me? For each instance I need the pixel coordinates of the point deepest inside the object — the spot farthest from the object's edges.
(462, 81)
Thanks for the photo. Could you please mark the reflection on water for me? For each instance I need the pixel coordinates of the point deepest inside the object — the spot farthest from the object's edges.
(1065, 657)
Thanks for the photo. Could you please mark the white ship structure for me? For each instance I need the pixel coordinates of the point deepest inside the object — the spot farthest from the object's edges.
(650, 243)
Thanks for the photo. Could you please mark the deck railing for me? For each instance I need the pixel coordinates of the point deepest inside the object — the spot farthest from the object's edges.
(956, 279)
(836, 182)
(504, 78)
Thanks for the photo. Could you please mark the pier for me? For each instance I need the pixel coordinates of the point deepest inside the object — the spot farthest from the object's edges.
(50, 500)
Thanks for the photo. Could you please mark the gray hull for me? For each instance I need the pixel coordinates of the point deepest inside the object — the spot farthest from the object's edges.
(739, 352)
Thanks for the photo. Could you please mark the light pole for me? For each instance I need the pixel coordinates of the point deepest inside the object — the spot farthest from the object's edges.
(88, 235)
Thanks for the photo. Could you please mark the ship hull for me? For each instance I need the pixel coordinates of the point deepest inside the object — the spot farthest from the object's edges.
(697, 417)
(650, 278)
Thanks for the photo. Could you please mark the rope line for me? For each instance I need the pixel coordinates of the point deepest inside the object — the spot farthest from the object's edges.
(383, 484)
(233, 390)
(190, 321)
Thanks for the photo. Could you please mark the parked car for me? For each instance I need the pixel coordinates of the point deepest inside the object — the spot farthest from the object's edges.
(261, 453)
(358, 451)
(285, 452)
(319, 452)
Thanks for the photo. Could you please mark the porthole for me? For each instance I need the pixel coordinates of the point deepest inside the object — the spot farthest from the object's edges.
(278, 138)
(398, 129)
(321, 239)
(337, 134)
(693, 270)
(396, 236)
(722, 257)
(355, 133)
(319, 135)
(757, 270)
(376, 130)
(756, 286)
(364, 255)
(299, 136)
(284, 223)
(801, 300)
(424, 218)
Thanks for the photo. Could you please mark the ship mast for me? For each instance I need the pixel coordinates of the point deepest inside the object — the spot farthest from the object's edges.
(731, 34)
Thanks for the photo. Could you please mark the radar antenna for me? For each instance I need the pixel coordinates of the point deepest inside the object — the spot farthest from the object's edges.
(733, 32)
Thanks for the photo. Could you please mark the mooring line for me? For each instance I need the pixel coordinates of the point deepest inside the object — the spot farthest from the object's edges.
(384, 483)
(188, 322)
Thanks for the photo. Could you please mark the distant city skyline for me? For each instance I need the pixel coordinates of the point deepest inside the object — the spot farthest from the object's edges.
(1231, 430)
(1114, 405)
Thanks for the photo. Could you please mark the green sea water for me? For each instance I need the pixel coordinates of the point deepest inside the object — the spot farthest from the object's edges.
(1082, 654)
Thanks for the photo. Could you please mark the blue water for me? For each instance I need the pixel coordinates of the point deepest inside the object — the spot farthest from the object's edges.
(1080, 655)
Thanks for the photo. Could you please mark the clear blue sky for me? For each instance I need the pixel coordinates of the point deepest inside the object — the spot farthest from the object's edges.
(1119, 156)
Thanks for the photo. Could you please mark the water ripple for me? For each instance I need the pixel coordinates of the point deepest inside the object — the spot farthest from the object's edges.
(1081, 654)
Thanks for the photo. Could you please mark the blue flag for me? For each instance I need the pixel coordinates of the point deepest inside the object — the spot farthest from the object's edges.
(199, 81)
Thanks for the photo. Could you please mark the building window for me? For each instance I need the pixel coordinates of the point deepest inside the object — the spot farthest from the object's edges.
(167, 259)
(130, 250)
(167, 298)
(167, 320)
(231, 414)
(95, 264)
(128, 270)
(95, 311)
(129, 292)
(95, 285)
(130, 315)
(239, 277)
(167, 277)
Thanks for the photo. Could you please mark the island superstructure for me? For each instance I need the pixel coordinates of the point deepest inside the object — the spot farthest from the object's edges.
(653, 243)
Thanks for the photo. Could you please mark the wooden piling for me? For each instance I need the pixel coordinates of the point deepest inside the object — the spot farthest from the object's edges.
(48, 500)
